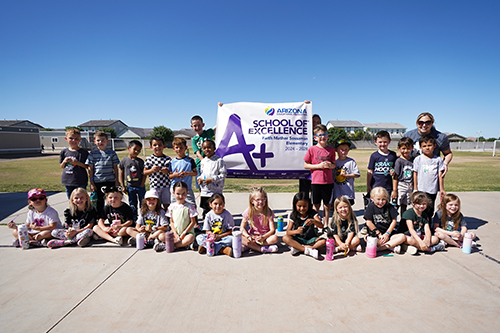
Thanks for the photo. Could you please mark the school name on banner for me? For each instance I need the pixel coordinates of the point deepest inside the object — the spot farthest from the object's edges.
(260, 140)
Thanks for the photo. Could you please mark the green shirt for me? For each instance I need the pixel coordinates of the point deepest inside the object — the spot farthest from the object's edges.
(197, 142)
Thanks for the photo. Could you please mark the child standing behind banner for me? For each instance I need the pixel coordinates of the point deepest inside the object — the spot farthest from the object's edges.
(212, 177)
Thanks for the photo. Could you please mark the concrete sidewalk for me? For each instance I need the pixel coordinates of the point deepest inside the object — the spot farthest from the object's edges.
(109, 288)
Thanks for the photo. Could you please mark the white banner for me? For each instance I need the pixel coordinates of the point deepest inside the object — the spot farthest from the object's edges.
(264, 140)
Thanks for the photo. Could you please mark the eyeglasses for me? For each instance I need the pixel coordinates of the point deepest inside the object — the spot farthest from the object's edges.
(428, 122)
(322, 134)
(37, 198)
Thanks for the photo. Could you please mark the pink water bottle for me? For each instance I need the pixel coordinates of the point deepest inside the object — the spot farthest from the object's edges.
(169, 242)
(467, 245)
(371, 247)
(330, 249)
(211, 244)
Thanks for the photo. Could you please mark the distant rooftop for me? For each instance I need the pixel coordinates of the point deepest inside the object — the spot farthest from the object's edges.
(100, 123)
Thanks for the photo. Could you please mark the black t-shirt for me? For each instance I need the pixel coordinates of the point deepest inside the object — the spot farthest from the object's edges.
(418, 222)
(381, 217)
(80, 220)
(123, 213)
(310, 231)
(74, 175)
(345, 229)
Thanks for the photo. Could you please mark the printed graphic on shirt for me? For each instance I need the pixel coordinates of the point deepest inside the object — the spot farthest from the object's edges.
(217, 225)
(39, 222)
(339, 179)
(383, 167)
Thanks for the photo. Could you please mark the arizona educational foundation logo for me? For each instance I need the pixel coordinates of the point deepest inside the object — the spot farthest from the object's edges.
(269, 111)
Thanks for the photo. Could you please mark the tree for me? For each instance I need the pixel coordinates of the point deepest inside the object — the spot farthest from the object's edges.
(163, 132)
(77, 127)
(335, 134)
(109, 130)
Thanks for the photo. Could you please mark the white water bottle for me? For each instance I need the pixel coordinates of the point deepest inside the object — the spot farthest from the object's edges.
(139, 241)
(467, 245)
(236, 242)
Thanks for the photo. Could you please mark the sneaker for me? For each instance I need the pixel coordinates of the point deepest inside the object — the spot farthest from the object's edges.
(294, 251)
(269, 248)
(159, 247)
(202, 250)
(438, 247)
(149, 243)
(132, 241)
(15, 243)
(119, 240)
(194, 246)
(474, 244)
(228, 251)
(55, 243)
(244, 248)
(45, 243)
(359, 248)
(410, 249)
(84, 241)
(312, 252)
(95, 236)
(397, 249)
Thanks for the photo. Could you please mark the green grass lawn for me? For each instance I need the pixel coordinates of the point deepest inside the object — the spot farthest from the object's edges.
(469, 171)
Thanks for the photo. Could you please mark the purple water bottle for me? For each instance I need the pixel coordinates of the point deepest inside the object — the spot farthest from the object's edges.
(211, 244)
(236, 242)
(169, 242)
(139, 241)
(330, 249)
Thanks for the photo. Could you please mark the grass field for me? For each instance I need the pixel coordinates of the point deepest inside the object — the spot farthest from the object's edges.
(469, 171)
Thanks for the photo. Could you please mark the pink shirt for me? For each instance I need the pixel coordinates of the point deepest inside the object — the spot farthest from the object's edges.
(258, 221)
(317, 155)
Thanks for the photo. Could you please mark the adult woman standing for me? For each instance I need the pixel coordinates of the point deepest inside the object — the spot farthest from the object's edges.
(425, 126)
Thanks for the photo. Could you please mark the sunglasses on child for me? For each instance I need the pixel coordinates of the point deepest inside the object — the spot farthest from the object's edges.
(322, 134)
(37, 198)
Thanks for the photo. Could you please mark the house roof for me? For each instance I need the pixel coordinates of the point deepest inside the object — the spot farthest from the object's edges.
(385, 126)
(455, 136)
(345, 123)
(141, 132)
(184, 132)
(18, 123)
(100, 123)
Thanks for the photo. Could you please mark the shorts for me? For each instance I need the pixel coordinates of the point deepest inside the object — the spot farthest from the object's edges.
(321, 192)
(303, 241)
(404, 193)
(163, 194)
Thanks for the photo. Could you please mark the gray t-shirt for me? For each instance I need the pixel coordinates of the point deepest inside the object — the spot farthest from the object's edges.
(442, 142)
(218, 224)
(157, 220)
(344, 186)
(450, 225)
(427, 173)
(404, 170)
(133, 170)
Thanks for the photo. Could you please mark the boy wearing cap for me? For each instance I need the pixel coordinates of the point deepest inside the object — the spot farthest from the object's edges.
(345, 172)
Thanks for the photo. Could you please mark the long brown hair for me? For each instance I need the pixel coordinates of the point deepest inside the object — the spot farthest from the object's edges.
(455, 217)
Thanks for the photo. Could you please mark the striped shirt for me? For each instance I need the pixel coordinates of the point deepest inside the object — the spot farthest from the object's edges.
(103, 162)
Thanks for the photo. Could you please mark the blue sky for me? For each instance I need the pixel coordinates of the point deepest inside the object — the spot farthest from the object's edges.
(153, 63)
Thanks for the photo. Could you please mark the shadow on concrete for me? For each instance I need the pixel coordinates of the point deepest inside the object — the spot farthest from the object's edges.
(12, 202)
(474, 223)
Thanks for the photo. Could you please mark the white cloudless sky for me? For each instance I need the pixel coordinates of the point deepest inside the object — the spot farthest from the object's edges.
(152, 63)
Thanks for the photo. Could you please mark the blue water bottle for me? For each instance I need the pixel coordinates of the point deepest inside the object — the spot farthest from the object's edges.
(280, 223)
